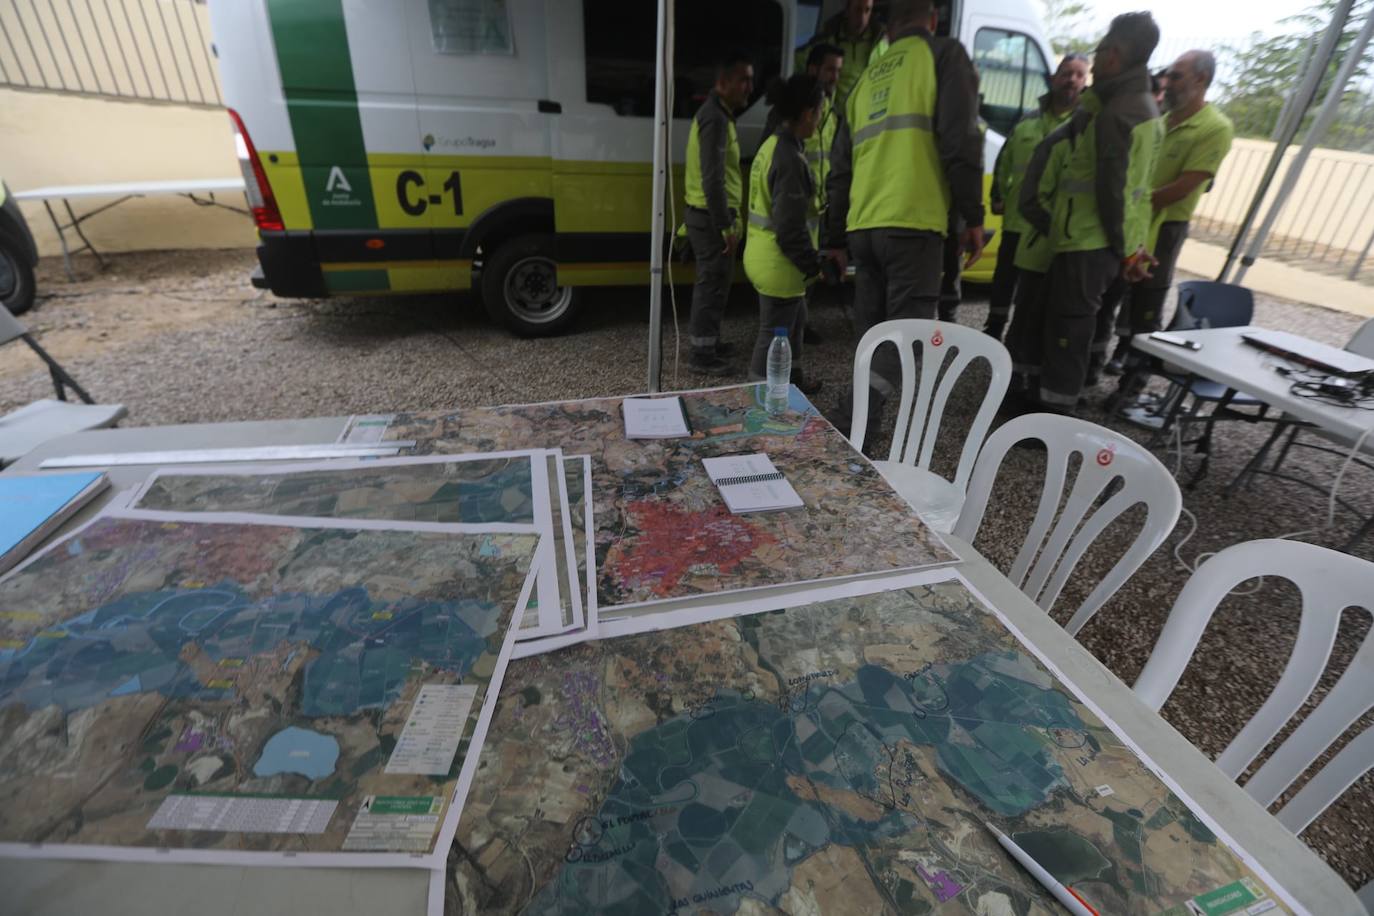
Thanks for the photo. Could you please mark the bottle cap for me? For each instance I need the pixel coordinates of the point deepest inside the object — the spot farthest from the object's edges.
(780, 332)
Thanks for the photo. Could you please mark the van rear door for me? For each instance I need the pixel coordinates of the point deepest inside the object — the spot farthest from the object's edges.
(350, 101)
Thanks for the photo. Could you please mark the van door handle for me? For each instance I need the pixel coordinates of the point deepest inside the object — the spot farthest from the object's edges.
(548, 107)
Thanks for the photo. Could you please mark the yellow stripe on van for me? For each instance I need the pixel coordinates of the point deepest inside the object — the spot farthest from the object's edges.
(437, 276)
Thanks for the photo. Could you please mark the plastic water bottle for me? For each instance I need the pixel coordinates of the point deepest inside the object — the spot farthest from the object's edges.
(779, 371)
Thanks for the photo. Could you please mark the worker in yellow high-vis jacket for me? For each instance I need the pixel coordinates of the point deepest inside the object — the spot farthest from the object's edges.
(781, 256)
(825, 62)
(1098, 219)
(908, 152)
(856, 32)
(714, 190)
(1054, 109)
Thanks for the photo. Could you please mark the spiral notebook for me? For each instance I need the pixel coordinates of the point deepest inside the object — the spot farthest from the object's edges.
(750, 483)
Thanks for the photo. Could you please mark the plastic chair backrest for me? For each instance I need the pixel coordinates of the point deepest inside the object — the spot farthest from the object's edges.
(10, 328)
(1329, 582)
(1106, 456)
(922, 405)
(1362, 341)
(1209, 304)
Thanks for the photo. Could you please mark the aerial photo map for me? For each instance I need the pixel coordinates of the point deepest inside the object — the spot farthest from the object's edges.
(266, 687)
(662, 530)
(487, 490)
(841, 757)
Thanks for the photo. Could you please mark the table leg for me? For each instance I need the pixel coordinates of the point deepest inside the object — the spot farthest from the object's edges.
(76, 227)
(61, 240)
(1255, 462)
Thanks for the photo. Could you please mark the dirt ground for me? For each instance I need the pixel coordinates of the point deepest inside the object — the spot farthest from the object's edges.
(182, 337)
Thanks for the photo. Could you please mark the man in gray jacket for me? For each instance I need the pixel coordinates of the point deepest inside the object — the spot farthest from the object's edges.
(714, 195)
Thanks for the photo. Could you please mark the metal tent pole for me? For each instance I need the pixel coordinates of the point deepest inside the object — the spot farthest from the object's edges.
(1292, 97)
(663, 81)
(1327, 114)
(1301, 100)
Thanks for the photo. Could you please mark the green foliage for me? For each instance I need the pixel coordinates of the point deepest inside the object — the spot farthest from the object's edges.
(1267, 69)
(1066, 25)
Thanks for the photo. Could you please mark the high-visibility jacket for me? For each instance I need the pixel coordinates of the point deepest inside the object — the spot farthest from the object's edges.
(1035, 250)
(780, 255)
(857, 49)
(1102, 193)
(713, 181)
(818, 148)
(1013, 158)
(898, 179)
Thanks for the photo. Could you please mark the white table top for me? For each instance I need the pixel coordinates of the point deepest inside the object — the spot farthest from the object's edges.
(121, 188)
(1227, 359)
(1290, 861)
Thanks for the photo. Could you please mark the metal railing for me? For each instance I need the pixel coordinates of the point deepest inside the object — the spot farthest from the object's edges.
(143, 50)
(1327, 224)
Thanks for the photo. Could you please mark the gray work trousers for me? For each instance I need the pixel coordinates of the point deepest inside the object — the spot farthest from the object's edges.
(896, 275)
(712, 288)
(1026, 335)
(1078, 280)
(1107, 318)
(778, 313)
(1003, 284)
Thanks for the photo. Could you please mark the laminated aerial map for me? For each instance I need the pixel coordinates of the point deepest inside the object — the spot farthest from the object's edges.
(663, 533)
(509, 492)
(233, 691)
(845, 756)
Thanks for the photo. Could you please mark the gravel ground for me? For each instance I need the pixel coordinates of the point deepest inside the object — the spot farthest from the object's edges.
(181, 337)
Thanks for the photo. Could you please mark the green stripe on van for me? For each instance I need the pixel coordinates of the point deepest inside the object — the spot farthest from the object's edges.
(357, 281)
(322, 102)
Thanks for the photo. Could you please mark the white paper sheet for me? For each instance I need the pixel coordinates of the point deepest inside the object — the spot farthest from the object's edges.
(655, 418)
(587, 586)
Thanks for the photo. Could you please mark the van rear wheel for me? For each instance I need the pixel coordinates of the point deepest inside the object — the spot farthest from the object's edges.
(520, 288)
(16, 279)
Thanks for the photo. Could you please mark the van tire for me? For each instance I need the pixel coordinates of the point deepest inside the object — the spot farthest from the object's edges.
(519, 291)
(17, 286)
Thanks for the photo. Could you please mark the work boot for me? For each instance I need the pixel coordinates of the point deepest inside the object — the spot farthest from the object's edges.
(1117, 364)
(706, 362)
(995, 329)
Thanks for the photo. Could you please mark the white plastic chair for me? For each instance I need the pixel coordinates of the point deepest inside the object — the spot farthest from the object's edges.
(1329, 582)
(24, 429)
(922, 408)
(1106, 456)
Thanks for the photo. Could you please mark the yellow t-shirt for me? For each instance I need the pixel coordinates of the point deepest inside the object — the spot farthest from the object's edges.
(1199, 144)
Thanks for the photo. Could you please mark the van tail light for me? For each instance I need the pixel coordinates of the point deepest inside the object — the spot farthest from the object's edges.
(259, 191)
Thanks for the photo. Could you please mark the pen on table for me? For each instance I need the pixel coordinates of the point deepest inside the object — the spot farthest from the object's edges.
(1063, 893)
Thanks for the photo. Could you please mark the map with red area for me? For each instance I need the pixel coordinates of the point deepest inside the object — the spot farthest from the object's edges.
(672, 544)
(662, 530)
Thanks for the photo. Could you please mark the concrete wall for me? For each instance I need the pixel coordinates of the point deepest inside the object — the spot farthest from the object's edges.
(1333, 203)
(57, 139)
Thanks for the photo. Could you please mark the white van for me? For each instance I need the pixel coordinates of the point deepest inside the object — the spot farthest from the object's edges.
(431, 145)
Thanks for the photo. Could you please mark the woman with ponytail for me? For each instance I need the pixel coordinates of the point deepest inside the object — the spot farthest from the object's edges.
(780, 254)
